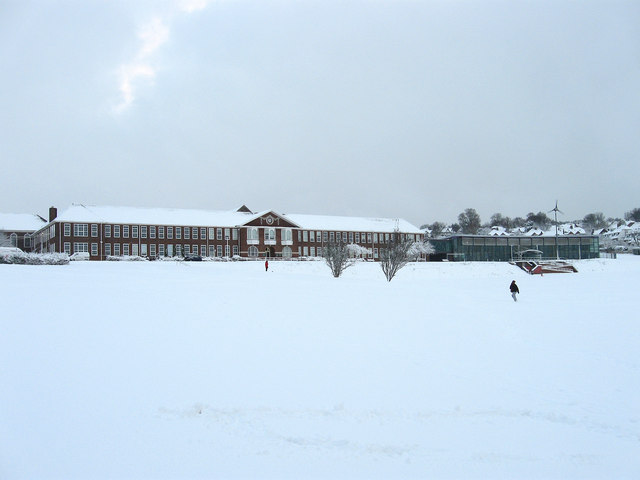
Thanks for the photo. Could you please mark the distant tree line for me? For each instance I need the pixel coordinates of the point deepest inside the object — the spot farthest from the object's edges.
(469, 222)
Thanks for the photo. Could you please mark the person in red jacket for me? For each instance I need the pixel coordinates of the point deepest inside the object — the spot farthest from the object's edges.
(514, 290)
(266, 265)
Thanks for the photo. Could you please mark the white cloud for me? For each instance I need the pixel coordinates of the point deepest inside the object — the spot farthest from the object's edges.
(192, 5)
(153, 35)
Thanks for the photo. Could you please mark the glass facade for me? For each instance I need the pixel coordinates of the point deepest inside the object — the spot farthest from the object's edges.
(503, 249)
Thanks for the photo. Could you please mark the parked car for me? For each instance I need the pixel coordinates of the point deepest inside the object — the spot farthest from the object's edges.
(193, 258)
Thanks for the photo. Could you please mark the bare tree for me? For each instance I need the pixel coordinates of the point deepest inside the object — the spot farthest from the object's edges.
(400, 251)
(4, 240)
(339, 256)
(633, 215)
(469, 221)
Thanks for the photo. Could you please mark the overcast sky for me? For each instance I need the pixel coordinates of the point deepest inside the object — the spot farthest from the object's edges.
(412, 109)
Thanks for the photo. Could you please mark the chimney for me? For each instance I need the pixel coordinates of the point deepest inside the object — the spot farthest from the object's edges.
(53, 213)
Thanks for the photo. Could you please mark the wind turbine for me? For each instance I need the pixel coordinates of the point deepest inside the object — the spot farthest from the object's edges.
(555, 211)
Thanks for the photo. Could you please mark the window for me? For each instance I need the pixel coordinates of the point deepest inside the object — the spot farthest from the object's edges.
(134, 233)
(187, 233)
(332, 237)
(94, 230)
(170, 233)
(212, 250)
(312, 251)
(305, 251)
(107, 249)
(143, 250)
(94, 249)
(203, 233)
(350, 237)
(312, 236)
(369, 238)
(143, 231)
(234, 234)
(305, 236)
(152, 249)
(107, 231)
(212, 234)
(219, 236)
(253, 251)
(287, 236)
(235, 250)
(226, 250)
(178, 233)
(227, 234)
(194, 233)
(318, 237)
(161, 233)
(161, 250)
(81, 230)
(186, 249)
(152, 232)
(375, 239)
(203, 250)
(134, 249)
(27, 241)
(375, 253)
(269, 234)
(125, 249)
(80, 247)
(116, 249)
(67, 247)
(67, 231)
(13, 239)
(169, 250)
(125, 231)
(252, 234)
(178, 250)
(219, 250)
(357, 237)
(116, 231)
(344, 237)
(287, 253)
(325, 237)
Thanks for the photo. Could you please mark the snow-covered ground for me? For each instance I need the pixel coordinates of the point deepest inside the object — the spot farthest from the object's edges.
(167, 370)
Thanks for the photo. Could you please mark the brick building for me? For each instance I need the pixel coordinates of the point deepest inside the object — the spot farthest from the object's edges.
(104, 231)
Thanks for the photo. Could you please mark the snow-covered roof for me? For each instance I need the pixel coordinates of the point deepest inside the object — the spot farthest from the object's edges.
(153, 216)
(20, 222)
(358, 224)
(498, 231)
(226, 218)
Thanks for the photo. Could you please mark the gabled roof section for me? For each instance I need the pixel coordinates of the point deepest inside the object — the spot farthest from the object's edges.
(269, 218)
(20, 222)
(244, 209)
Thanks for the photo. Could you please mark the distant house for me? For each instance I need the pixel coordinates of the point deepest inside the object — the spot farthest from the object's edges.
(103, 231)
(17, 229)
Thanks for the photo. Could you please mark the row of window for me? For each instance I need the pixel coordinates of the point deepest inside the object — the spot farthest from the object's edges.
(161, 250)
(151, 250)
(502, 241)
(152, 232)
(215, 233)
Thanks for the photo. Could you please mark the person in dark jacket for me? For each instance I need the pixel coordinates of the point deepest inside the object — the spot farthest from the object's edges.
(514, 289)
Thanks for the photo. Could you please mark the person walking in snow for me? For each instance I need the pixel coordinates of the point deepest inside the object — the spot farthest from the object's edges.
(514, 290)
(266, 265)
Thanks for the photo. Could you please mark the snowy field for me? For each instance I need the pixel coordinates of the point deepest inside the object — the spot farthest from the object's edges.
(166, 370)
